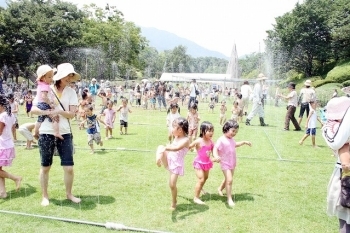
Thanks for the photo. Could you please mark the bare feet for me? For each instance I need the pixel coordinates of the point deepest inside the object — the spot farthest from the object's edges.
(159, 155)
(300, 142)
(3, 195)
(45, 201)
(18, 183)
(173, 206)
(59, 136)
(198, 201)
(73, 199)
(230, 203)
(220, 192)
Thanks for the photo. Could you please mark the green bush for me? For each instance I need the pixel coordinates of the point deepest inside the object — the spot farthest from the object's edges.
(340, 73)
(346, 83)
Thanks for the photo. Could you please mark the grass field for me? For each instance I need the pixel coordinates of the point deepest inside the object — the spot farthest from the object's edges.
(279, 186)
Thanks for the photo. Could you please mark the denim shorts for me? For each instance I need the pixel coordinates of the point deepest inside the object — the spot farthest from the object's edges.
(47, 143)
(311, 131)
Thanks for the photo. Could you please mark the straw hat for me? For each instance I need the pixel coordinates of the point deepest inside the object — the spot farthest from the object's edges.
(346, 90)
(261, 76)
(42, 70)
(337, 107)
(65, 69)
(307, 83)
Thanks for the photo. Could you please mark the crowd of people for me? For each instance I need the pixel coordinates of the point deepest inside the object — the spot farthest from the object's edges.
(61, 97)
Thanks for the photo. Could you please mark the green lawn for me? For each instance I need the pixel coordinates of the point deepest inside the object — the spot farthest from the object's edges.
(279, 186)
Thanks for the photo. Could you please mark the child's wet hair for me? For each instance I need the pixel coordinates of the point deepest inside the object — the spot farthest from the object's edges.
(173, 106)
(205, 127)
(182, 123)
(89, 107)
(194, 106)
(109, 102)
(230, 124)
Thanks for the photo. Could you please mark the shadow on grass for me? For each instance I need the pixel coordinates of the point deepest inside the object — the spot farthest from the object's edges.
(184, 210)
(238, 197)
(87, 202)
(22, 192)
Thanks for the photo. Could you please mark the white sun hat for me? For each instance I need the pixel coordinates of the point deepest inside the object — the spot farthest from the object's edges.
(64, 70)
(42, 70)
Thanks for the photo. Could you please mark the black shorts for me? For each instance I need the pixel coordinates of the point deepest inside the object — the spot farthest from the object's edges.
(304, 107)
(124, 123)
(47, 143)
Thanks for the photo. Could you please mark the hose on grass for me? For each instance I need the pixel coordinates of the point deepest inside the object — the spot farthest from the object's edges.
(108, 225)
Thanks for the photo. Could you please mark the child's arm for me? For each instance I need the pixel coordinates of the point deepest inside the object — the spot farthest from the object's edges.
(308, 118)
(129, 110)
(113, 117)
(344, 156)
(182, 144)
(238, 144)
(120, 107)
(198, 119)
(100, 120)
(216, 154)
(194, 143)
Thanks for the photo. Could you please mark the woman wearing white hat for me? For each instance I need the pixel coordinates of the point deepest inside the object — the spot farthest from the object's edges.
(68, 102)
(306, 94)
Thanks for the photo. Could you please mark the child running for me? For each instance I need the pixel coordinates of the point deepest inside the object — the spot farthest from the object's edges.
(223, 110)
(202, 163)
(311, 124)
(172, 156)
(123, 116)
(109, 115)
(93, 128)
(225, 152)
(46, 99)
(193, 122)
(7, 147)
(172, 115)
(235, 111)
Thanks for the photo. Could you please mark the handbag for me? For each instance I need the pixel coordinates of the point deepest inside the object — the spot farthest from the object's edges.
(70, 128)
(195, 90)
(345, 192)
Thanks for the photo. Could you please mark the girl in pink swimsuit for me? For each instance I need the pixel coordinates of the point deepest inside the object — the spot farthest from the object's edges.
(225, 152)
(172, 156)
(202, 163)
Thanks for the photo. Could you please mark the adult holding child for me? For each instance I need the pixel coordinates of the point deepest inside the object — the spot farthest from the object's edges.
(337, 136)
(47, 142)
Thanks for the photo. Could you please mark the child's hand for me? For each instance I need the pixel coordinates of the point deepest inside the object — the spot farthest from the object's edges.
(216, 159)
(248, 143)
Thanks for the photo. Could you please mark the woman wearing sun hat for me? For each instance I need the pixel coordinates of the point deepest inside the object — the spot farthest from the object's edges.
(47, 141)
(306, 94)
(337, 136)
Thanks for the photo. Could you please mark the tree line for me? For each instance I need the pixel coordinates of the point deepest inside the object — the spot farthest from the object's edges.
(98, 41)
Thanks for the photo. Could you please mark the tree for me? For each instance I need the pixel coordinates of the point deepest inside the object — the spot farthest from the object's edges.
(35, 32)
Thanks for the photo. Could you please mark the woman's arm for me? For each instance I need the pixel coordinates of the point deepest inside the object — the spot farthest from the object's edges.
(36, 111)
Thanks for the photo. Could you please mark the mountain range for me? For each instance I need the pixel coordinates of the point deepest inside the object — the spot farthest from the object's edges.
(164, 40)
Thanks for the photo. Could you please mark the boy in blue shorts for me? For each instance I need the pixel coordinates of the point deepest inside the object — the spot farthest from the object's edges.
(311, 124)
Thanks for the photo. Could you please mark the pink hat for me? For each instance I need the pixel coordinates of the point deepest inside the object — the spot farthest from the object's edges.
(337, 107)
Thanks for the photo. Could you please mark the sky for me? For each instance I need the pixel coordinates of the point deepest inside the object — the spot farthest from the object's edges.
(214, 24)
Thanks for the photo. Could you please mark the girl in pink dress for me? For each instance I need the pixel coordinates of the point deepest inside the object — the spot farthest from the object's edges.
(110, 115)
(225, 152)
(202, 163)
(7, 147)
(172, 156)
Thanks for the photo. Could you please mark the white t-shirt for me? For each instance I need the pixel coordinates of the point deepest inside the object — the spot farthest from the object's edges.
(68, 97)
(193, 88)
(246, 90)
